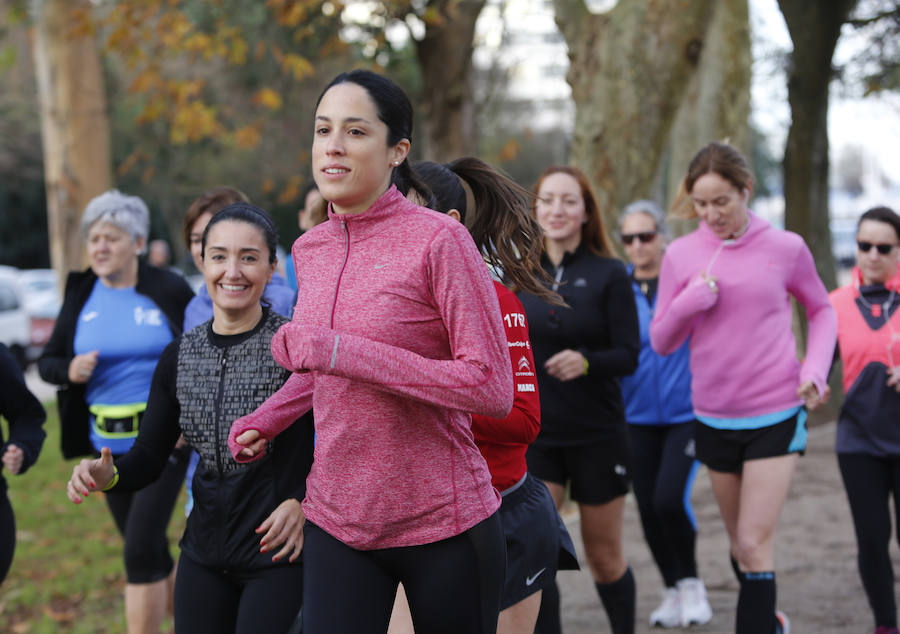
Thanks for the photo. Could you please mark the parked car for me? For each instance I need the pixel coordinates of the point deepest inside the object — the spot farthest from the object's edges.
(15, 324)
(41, 298)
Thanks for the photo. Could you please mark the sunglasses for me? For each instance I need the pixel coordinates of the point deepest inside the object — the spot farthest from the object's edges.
(643, 236)
(864, 246)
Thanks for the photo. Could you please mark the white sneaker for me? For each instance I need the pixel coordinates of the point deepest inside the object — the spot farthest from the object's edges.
(668, 614)
(695, 608)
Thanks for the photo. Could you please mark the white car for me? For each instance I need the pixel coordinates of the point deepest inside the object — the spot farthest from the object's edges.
(41, 298)
(15, 324)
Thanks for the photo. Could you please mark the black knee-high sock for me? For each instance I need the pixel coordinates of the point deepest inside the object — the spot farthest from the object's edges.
(618, 599)
(548, 621)
(756, 604)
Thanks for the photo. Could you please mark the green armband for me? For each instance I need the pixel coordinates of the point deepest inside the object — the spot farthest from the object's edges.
(115, 479)
(586, 365)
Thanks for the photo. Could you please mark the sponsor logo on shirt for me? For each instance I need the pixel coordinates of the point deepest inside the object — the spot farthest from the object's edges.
(579, 282)
(523, 364)
(525, 387)
(520, 344)
(147, 316)
(524, 373)
(90, 316)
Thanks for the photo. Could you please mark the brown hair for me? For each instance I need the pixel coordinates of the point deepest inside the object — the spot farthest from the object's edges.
(716, 158)
(209, 202)
(594, 232)
(499, 220)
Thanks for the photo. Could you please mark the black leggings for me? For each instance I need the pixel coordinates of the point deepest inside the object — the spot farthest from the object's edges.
(663, 470)
(214, 600)
(142, 518)
(7, 533)
(453, 585)
(869, 480)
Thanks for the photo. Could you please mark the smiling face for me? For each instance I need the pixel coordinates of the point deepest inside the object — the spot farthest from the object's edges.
(646, 256)
(352, 161)
(720, 205)
(560, 210)
(113, 254)
(236, 267)
(877, 268)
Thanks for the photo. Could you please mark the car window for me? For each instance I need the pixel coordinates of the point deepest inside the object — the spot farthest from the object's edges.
(8, 299)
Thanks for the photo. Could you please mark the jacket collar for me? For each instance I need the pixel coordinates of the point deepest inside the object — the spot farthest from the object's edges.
(757, 226)
(362, 225)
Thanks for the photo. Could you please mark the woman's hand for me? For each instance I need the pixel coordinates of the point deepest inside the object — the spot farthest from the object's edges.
(283, 526)
(82, 366)
(565, 365)
(299, 348)
(13, 458)
(810, 393)
(894, 378)
(252, 442)
(90, 475)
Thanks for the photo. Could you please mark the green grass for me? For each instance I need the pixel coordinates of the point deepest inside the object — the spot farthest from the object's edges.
(67, 573)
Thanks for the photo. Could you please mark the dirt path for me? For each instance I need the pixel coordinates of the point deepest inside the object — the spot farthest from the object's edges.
(815, 555)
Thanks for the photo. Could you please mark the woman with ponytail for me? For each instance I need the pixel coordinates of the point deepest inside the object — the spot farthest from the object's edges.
(497, 212)
(396, 335)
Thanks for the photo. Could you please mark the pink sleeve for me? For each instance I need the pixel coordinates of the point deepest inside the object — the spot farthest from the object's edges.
(478, 379)
(277, 413)
(806, 285)
(676, 308)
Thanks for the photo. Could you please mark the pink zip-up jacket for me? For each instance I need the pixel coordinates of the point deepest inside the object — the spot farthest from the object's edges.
(398, 325)
(743, 354)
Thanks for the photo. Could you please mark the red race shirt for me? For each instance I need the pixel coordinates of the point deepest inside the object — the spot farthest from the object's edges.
(503, 441)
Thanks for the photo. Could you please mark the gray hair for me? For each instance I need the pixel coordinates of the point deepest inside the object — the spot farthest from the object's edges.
(649, 208)
(128, 213)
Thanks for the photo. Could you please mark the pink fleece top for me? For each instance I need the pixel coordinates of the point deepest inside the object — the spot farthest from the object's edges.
(398, 323)
(743, 354)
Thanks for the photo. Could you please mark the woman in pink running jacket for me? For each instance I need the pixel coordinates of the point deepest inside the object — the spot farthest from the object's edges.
(727, 286)
(396, 337)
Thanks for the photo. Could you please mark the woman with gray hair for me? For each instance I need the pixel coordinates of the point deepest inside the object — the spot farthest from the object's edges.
(117, 317)
(659, 412)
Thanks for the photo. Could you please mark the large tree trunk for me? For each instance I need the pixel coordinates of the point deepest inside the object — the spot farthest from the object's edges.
(445, 59)
(74, 121)
(716, 105)
(629, 70)
(814, 29)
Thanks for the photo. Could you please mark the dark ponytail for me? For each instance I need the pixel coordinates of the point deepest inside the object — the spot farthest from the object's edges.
(500, 220)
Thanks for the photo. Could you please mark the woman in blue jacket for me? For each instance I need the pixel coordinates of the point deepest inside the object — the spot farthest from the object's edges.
(659, 411)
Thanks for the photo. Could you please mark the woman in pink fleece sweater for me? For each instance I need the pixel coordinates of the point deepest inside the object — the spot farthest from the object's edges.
(727, 286)
(396, 337)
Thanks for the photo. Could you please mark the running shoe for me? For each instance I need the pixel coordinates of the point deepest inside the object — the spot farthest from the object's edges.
(668, 614)
(782, 623)
(695, 608)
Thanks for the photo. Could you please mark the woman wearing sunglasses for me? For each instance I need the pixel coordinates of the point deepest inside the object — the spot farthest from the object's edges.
(726, 286)
(660, 415)
(580, 352)
(868, 437)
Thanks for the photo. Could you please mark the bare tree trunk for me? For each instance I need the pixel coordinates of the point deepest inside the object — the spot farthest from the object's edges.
(629, 70)
(445, 59)
(74, 121)
(814, 29)
(716, 105)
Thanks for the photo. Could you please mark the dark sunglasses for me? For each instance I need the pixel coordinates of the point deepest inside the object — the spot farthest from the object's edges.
(643, 236)
(883, 249)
